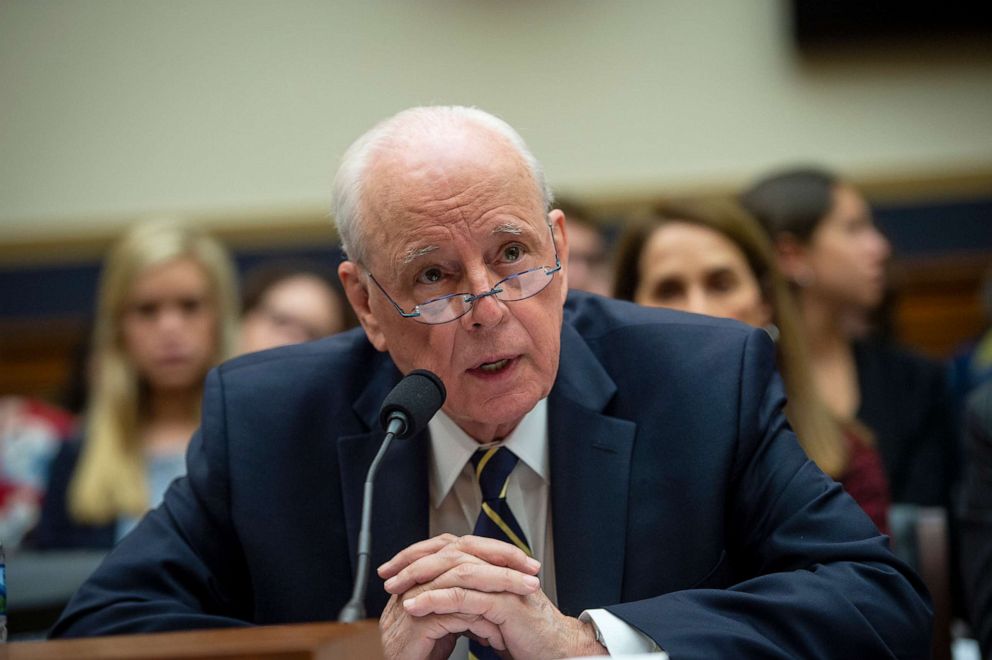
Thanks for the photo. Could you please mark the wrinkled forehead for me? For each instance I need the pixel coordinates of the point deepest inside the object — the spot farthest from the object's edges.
(471, 176)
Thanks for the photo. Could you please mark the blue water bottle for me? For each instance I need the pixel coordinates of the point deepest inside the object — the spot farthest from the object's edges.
(3, 596)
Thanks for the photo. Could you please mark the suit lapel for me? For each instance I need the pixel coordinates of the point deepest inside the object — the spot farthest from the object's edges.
(590, 471)
(590, 455)
(400, 508)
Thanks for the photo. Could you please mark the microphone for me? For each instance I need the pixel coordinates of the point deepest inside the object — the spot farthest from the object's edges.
(412, 403)
(408, 408)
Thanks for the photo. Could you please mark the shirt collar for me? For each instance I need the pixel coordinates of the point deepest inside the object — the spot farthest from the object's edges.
(451, 448)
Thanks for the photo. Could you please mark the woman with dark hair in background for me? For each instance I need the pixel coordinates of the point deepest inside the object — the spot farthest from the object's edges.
(710, 257)
(831, 251)
(166, 313)
(289, 302)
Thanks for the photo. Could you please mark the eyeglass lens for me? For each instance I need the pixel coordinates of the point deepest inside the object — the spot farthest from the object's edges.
(515, 287)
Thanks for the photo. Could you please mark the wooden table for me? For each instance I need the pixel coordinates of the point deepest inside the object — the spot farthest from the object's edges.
(304, 641)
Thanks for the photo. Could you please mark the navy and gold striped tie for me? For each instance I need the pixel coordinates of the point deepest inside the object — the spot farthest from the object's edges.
(492, 468)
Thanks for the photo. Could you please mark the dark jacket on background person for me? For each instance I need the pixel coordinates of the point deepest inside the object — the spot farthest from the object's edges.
(905, 401)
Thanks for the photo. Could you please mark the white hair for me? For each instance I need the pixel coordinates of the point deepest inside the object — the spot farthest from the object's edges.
(423, 122)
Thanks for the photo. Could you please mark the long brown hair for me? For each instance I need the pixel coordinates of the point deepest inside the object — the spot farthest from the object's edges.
(819, 432)
(792, 201)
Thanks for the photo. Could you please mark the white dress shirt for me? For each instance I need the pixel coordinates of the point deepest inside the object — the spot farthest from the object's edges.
(456, 501)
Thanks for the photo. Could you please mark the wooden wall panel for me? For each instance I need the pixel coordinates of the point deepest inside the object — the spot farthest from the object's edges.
(36, 356)
(938, 302)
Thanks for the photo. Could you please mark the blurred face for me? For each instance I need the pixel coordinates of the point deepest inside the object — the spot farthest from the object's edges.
(459, 218)
(696, 269)
(586, 259)
(294, 310)
(846, 254)
(170, 325)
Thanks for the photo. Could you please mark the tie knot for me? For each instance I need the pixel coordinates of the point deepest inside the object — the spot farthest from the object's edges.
(493, 467)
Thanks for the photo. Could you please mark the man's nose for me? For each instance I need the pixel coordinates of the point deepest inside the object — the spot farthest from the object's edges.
(487, 310)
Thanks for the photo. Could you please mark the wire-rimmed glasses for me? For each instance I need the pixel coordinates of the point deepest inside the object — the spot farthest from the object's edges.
(447, 308)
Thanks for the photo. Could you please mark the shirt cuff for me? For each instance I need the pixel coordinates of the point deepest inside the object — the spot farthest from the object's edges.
(618, 636)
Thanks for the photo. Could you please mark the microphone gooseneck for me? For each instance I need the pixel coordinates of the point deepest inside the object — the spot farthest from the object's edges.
(408, 408)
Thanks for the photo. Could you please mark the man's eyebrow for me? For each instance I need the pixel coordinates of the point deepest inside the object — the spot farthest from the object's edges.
(508, 228)
(416, 253)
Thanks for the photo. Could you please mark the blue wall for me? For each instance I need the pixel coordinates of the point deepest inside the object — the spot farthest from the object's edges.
(70, 291)
(937, 228)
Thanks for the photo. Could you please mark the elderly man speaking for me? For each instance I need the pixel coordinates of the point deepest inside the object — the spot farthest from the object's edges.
(601, 478)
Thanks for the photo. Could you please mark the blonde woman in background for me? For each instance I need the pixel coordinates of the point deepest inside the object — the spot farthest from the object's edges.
(710, 257)
(166, 313)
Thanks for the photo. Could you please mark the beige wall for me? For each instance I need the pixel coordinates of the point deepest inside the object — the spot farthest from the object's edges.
(240, 109)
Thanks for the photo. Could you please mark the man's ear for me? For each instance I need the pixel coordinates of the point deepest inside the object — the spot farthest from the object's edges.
(557, 221)
(358, 297)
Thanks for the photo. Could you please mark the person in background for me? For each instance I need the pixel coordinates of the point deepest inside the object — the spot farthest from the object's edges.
(290, 302)
(710, 257)
(166, 313)
(971, 364)
(31, 432)
(976, 516)
(830, 249)
(588, 260)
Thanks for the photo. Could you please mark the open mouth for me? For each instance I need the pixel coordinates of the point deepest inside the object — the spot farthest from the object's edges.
(493, 367)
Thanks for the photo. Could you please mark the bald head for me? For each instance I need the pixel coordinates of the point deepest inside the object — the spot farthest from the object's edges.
(418, 147)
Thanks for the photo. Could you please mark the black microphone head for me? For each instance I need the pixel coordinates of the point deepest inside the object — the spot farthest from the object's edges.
(416, 398)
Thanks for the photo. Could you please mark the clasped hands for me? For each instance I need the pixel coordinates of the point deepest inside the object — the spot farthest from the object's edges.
(485, 589)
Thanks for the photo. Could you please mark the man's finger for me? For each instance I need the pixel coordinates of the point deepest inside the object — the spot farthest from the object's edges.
(492, 607)
(497, 552)
(427, 568)
(471, 575)
(470, 550)
(452, 550)
(440, 626)
(405, 557)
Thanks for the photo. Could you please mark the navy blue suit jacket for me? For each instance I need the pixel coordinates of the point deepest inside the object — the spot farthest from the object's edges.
(680, 500)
